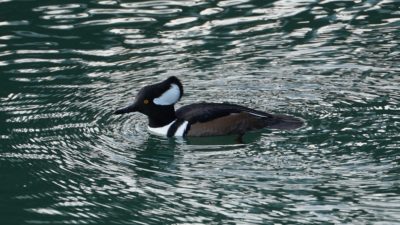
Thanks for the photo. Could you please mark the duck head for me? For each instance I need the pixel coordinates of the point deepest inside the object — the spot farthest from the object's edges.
(157, 102)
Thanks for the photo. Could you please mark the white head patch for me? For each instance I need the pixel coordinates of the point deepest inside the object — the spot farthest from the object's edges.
(169, 97)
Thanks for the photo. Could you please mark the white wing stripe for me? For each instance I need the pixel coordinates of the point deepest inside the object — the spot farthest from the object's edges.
(255, 114)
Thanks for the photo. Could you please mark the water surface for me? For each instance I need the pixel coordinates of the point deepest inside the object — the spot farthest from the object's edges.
(65, 66)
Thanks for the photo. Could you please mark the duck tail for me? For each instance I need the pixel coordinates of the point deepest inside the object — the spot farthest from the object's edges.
(285, 122)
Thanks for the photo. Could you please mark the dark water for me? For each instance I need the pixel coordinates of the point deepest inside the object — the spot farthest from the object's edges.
(66, 65)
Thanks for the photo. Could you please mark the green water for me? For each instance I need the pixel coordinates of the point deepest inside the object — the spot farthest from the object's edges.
(65, 66)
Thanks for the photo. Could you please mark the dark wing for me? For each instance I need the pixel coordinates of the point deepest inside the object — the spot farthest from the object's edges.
(222, 118)
(203, 112)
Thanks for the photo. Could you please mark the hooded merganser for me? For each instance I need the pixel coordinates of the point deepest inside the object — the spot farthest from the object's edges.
(201, 119)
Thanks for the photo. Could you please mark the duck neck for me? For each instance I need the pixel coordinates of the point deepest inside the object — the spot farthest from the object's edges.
(161, 117)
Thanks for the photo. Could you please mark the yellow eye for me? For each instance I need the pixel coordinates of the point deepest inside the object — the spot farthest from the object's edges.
(146, 101)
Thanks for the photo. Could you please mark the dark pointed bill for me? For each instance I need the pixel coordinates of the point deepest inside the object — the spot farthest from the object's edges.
(131, 108)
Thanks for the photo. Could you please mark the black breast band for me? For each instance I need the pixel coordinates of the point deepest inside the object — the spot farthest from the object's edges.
(174, 127)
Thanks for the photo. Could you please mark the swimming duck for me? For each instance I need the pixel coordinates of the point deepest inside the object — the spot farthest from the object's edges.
(157, 102)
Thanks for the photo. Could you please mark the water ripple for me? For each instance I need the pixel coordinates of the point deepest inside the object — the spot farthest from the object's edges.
(65, 158)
